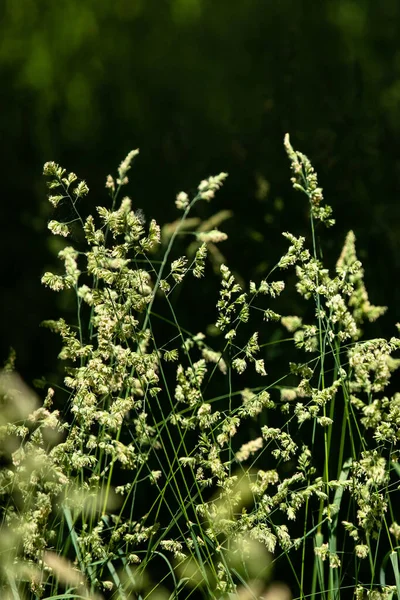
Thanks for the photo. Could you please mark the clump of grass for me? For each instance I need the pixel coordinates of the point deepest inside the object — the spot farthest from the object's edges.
(164, 476)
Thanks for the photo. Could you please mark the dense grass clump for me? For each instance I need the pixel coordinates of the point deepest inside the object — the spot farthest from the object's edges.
(171, 464)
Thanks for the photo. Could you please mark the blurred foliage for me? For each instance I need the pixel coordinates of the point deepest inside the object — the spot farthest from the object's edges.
(201, 87)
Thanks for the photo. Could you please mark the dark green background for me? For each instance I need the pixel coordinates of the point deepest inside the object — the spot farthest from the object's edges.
(200, 86)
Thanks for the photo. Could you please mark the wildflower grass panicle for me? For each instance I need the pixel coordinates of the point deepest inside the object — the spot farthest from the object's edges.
(180, 464)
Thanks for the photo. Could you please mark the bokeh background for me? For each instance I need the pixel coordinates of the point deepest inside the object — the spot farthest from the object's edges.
(200, 86)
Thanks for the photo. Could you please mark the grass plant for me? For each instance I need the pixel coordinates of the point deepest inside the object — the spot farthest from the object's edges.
(170, 464)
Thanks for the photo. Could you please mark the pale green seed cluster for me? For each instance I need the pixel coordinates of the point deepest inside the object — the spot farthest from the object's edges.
(244, 467)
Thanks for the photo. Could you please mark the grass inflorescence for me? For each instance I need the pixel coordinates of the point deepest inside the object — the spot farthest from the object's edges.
(153, 472)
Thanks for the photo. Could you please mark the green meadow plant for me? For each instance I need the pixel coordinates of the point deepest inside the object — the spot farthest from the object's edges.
(170, 464)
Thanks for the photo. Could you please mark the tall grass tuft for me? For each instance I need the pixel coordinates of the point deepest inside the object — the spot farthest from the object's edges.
(170, 464)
